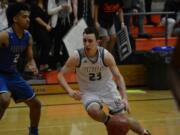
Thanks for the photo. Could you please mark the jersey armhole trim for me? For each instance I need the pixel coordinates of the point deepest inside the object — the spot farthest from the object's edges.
(102, 55)
(80, 57)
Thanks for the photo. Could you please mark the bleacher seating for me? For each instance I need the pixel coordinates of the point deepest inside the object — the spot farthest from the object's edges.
(155, 31)
(158, 36)
(148, 44)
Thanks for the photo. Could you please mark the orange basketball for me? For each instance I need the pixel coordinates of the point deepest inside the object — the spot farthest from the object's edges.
(117, 125)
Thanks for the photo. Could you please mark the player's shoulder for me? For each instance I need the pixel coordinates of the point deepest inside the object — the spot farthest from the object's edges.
(106, 53)
(108, 58)
(27, 34)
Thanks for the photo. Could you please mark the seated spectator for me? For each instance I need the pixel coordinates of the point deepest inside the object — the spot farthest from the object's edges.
(135, 6)
(176, 30)
(170, 6)
(139, 20)
(148, 5)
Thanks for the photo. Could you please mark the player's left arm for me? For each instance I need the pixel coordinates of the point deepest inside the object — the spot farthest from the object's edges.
(31, 64)
(4, 39)
(110, 62)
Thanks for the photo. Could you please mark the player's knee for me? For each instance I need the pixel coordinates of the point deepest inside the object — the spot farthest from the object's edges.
(94, 109)
(35, 103)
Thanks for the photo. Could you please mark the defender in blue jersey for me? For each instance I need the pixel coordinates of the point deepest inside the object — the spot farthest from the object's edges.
(13, 42)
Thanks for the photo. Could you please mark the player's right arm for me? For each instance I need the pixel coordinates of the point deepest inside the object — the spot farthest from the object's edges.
(4, 39)
(110, 62)
(69, 66)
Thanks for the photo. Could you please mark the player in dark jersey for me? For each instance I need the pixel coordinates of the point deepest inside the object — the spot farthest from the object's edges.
(13, 42)
(175, 67)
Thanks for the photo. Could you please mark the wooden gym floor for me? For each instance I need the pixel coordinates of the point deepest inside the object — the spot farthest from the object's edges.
(61, 115)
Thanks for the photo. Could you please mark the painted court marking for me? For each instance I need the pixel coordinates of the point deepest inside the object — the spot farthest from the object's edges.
(136, 91)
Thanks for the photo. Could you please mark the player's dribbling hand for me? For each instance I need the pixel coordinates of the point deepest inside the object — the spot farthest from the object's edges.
(76, 95)
(125, 102)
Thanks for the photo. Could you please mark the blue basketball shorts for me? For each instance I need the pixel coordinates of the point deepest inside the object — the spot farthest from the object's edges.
(17, 86)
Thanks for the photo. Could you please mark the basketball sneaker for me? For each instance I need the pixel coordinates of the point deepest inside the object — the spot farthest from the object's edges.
(33, 131)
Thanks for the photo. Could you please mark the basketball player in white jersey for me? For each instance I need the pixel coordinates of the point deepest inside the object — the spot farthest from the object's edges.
(95, 67)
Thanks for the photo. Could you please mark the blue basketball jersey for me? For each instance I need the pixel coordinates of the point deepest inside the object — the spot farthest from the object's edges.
(10, 80)
(9, 55)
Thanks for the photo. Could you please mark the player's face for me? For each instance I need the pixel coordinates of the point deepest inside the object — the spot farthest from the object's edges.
(89, 41)
(22, 19)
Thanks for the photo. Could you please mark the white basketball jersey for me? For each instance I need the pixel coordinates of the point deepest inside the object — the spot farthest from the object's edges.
(94, 75)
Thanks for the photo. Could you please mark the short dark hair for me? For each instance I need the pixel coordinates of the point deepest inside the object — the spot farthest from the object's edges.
(91, 30)
(13, 9)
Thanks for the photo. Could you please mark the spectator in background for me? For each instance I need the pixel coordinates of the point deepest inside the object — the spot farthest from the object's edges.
(3, 18)
(176, 29)
(130, 6)
(148, 5)
(139, 20)
(41, 32)
(170, 6)
(104, 15)
(83, 9)
(60, 11)
(135, 6)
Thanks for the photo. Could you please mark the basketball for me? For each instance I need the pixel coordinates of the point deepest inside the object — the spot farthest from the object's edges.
(117, 125)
